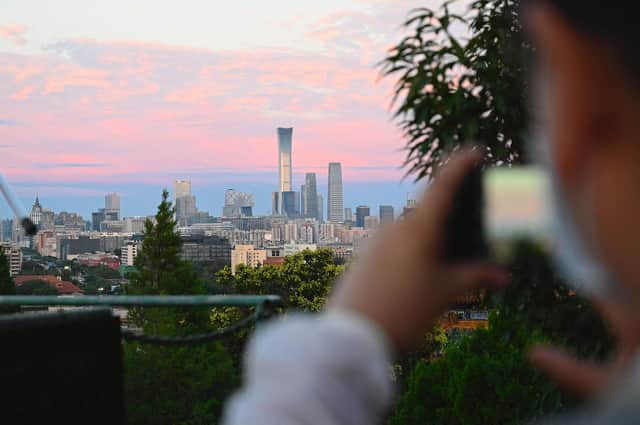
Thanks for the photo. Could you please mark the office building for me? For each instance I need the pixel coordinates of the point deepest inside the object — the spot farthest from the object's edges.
(185, 208)
(335, 201)
(237, 204)
(284, 159)
(371, 222)
(290, 204)
(112, 201)
(310, 189)
(200, 248)
(247, 255)
(361, 212)
(36, 212)
(181, 188)
(386, 214)
(303, 200)
(128, 253)
(320, 216)
(296, 248)
(410, 206)
(14, 256)
(348, 215)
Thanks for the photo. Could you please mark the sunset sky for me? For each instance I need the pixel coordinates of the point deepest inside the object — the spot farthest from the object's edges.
(127, 95)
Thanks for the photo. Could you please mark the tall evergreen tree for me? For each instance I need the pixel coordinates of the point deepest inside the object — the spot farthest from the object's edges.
(172, 385)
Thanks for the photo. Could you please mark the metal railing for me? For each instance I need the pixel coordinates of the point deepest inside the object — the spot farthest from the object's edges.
(263, 305)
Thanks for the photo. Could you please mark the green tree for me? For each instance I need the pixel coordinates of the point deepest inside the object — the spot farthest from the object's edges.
(486, 377)
(166, 385)
(7, 286)
(460, 78)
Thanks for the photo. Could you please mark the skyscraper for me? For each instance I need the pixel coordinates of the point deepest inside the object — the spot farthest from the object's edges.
(311, 196)
(303, 200)
(320, 208)
(237, 204)
(112, 202)
(181, 188)
(361, 212)
(348, 215)
(335, 201)
(285, 136)
(386, 214)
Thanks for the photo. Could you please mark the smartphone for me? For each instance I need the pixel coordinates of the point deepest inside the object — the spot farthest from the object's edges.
(495, 205)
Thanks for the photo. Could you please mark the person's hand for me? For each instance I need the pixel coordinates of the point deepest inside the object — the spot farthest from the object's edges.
(402, 283)
(586, 379)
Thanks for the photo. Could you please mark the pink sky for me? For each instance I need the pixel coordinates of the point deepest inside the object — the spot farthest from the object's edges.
(89, 108)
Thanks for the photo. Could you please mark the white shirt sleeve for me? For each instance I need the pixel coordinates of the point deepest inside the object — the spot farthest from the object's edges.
(331, 369)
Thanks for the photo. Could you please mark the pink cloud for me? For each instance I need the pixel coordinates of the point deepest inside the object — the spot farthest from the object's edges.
(14, 33)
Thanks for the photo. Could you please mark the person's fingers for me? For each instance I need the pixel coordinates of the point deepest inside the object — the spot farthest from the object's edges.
(438, 199)
(573, 375)
(467, 277)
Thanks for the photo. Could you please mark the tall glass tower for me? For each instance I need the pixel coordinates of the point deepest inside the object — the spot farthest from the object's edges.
(310, 196)
(335, 201)
(284, 163)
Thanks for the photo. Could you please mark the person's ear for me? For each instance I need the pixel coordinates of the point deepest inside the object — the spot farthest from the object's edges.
(582, 96)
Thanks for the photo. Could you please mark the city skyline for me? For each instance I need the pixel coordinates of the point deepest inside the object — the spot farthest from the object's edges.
(90, 109)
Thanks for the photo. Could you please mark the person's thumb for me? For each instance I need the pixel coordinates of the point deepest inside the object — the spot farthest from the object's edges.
(571, 374)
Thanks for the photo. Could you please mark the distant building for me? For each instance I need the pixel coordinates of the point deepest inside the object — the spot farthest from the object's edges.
(285, 136)
(238, 204)
(200, 248)
(335, 201)
(310, 196)
(112, 202)
(185, 208)
(46, 243)
(361, 212)
(72, 247)
(36, 212)
(181, 188)
(303, 200)
(371, 222)
(128, 253)
(63, 287)
(134, 224)
(112, 226)
(247, 255)
(386, 214)
(290, 204)
(274, 261)
(410, 206)
(14, 257)
(320, 216)
(348, 215)
(295, 248)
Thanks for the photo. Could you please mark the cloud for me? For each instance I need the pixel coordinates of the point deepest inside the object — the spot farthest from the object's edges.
(6, 122)
(14, 33)
(49, 165)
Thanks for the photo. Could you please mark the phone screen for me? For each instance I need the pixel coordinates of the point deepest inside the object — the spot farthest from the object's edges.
(516, 203)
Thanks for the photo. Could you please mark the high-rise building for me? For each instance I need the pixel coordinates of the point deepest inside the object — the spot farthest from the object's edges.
(290, 205)
(361, 212)
(185, 208)
(410, 206)
(36, 212)
(284, 159)
(348, 215)
(386, 214)
(112, 202)
(335, 201)
(181, 188)
(237, 204)
(303, 200)
(310, 196)
(320, 217)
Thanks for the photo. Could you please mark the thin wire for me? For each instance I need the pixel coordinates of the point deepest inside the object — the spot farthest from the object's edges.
(131, 336)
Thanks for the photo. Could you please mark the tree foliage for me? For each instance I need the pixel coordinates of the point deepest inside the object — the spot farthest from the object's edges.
(36, 287)
(168, 385)
(486, 377)
(460, 78)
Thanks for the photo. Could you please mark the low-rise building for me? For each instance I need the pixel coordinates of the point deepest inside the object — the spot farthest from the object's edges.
(295, 248)
(200, 248)
(247, 255)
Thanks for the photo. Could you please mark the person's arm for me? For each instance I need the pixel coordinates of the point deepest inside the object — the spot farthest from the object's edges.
(327, 369)
(333, 369)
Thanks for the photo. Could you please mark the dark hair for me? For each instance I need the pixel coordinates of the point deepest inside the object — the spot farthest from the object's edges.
(614, 23)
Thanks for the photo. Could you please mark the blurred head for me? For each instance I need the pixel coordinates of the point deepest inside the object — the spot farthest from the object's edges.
(590, 72)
